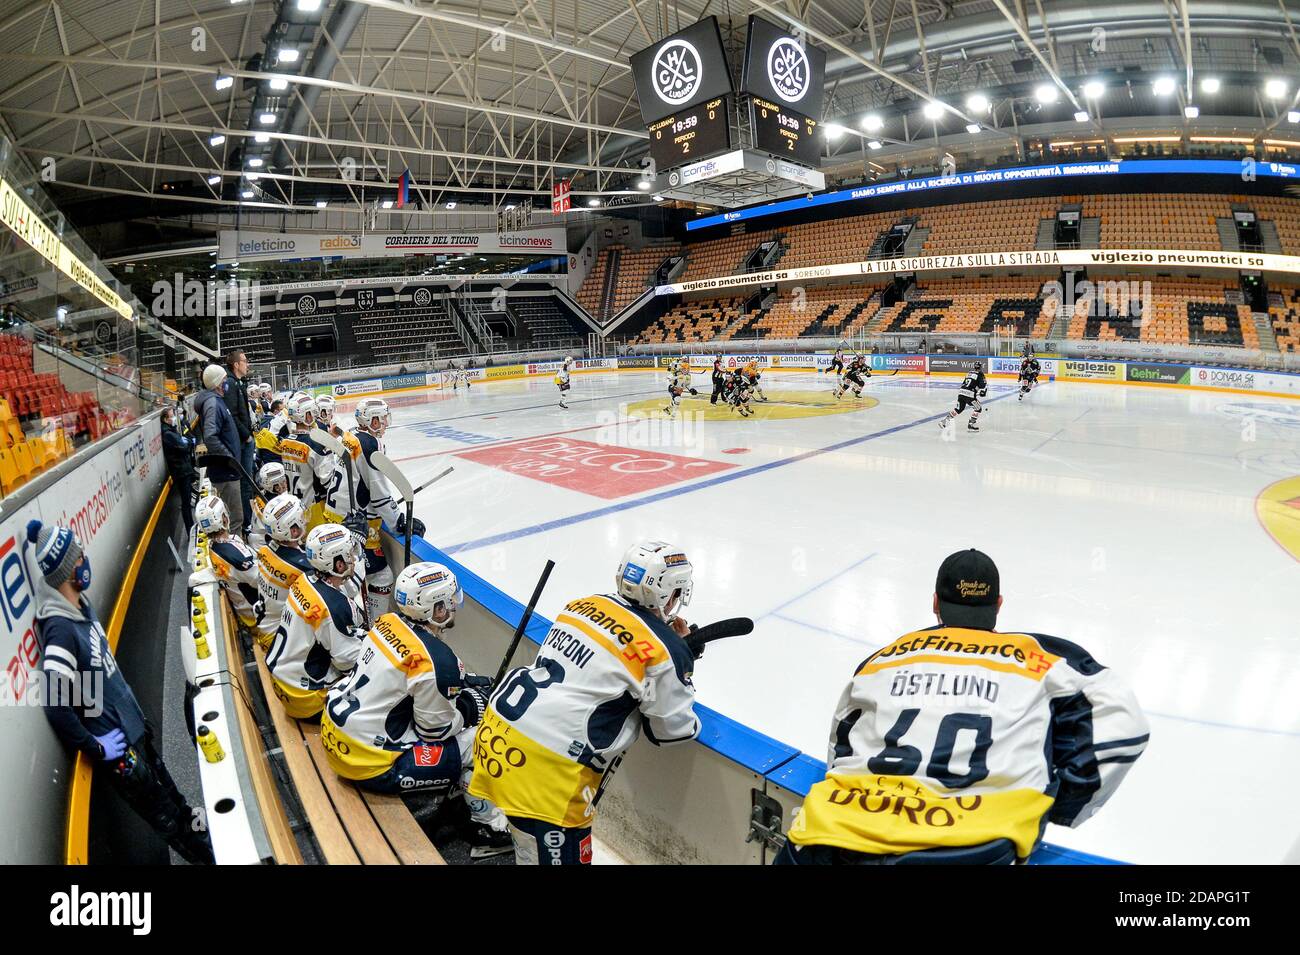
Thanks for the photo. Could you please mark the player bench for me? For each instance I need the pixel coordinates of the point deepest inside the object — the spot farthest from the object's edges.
(351, 826)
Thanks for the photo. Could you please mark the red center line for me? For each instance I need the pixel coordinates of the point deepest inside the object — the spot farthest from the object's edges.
(520, 437)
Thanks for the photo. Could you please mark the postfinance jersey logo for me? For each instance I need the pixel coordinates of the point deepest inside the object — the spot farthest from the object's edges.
(1005, 652)
(400, 645)
(1278, 509)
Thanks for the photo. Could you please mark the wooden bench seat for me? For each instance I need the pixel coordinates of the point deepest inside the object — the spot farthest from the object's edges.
(351, 826)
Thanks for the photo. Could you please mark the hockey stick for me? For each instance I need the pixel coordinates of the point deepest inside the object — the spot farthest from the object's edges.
(731, 627)
(202, 459)
(385, 466)
(523, 621)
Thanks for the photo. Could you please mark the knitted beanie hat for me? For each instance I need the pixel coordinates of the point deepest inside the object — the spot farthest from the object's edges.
(57, 551)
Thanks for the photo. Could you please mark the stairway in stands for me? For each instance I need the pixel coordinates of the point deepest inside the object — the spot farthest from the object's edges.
(744, 328)
(855, 315)
(1267, 337)
(1045, 240)
(349, 345)
(281, 340)
(615, 256)
(825, 324)
(1090, 232)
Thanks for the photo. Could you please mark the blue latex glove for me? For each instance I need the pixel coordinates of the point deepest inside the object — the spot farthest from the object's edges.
(113, 744)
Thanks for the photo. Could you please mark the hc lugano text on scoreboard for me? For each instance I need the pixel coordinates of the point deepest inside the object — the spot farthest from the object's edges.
(684, 87)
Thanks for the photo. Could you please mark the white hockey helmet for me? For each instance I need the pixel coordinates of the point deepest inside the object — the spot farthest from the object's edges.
(285, 519)
(657, 576)
(429, 593)
(272, 478)
(211, 516)
(325, 409)
(302, 409)
(568, 361)
(373, 416)
(326, 544)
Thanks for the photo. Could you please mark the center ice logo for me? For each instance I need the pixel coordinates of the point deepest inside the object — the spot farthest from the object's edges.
(601, 470)
(677, 72)
(788, 69)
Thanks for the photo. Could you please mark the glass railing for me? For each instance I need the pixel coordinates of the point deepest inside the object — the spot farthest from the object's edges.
(79, 356)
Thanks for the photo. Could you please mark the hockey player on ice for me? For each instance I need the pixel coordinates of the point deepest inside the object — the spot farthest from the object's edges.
(319, 636)
(307, 464)
(458, 374)
(375, 499)
(233, 562)
(855, 377)
(718, 377)
(280, 562)
(960, 743)
(837, 363)
(736, 393)
(1029, 370)
(679, 383)
(751, 375)
(562, 380)
(973, 387)
(585, 700)
(403, 721)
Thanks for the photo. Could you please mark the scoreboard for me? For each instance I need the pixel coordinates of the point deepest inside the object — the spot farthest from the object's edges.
(783, 132)
(691, 134)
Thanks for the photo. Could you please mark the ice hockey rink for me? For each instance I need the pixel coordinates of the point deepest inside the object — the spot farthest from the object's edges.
(1123, 518)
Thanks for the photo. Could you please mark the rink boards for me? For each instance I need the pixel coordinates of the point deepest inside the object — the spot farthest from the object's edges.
(1153, 373)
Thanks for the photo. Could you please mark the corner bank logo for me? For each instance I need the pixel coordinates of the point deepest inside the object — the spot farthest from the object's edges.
(674, 178)
(677, 72)
(788, 69)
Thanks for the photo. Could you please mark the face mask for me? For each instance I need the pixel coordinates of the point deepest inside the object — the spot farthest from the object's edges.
(81, 576)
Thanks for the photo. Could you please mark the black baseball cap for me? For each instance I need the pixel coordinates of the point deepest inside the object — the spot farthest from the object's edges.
(968, 589)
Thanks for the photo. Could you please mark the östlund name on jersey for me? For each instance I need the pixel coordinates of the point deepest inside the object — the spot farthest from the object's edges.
(944, 684)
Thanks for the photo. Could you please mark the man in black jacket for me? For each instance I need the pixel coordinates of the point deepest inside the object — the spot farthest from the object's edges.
(178, 452)
(237, 401)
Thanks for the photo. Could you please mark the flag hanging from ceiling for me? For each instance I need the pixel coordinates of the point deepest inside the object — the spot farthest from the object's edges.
(404, 188)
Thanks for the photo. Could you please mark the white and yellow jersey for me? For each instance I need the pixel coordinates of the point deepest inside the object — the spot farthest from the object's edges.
(318, 640)
(278, 567)
(562, 376)
(309, 467)
(256, 528)
(268, 439)
(953, 737)
(374, 494)
(235, 565)
(401, 693)
(605, 669)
